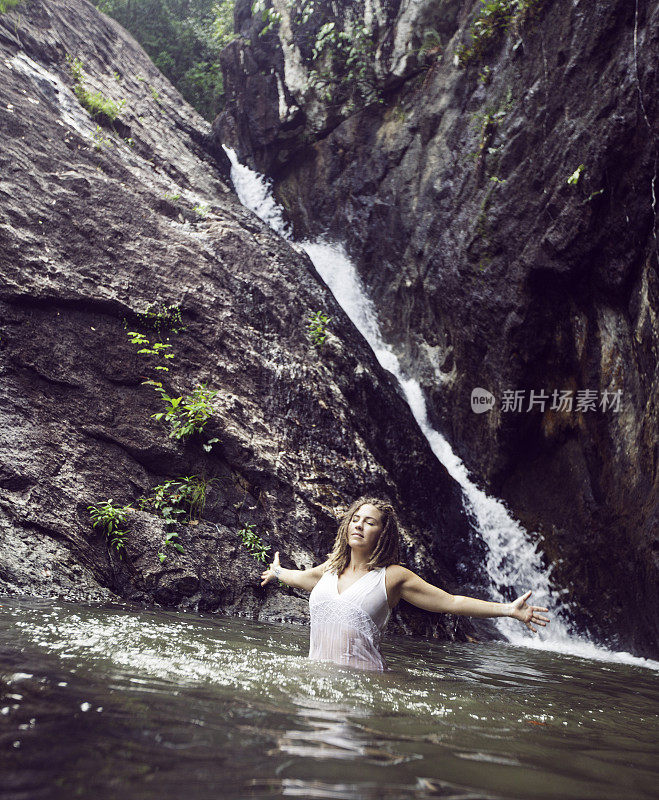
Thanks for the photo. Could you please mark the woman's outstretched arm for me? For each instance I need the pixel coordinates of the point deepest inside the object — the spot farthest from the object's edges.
(298, 578)
(409, 586)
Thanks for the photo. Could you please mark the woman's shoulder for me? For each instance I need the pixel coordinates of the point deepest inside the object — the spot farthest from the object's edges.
(397, 572)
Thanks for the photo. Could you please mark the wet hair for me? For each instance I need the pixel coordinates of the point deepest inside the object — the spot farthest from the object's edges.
(387, 548)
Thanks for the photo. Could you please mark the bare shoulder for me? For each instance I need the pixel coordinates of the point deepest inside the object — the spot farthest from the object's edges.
(395, 578)
(397, 574)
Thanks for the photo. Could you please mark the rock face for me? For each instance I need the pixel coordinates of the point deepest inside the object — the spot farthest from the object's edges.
(503, 209)
(110, 226)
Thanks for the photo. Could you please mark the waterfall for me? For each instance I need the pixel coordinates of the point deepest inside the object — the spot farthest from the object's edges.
(512, 558)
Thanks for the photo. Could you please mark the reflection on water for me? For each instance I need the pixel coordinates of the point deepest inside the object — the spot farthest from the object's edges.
(118, 702)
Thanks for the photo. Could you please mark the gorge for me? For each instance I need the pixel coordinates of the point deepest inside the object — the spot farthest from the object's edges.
(446, 177)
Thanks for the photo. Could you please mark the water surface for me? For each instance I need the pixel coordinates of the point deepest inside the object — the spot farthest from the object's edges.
(118, 702)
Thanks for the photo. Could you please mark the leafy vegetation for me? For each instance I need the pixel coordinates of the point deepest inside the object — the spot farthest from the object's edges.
(95, 102)
(5, 5)
(344, 65)
(494, 18)
(317, 323)
(160, 317)
(183, 38)
(340, 54)
(186, 414)
(487, 122)
(171, 500)
(269, 16)
(178, 497)
(100, 139)
(573, 180)
(157, 349)
(113, 519)
(253, 543)
(432, 43)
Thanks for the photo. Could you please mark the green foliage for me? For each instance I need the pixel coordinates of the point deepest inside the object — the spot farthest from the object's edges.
(178, 497)
(172, 196)
(270, 17)
(113, 520)
(155, 95)
(432, 43)
(494, 18)
(94, 102)
(174, 499)
(171, 540)
(487, 122)
(344, 65)
(100, 139)
(184, 39)
(5, 5)
(222, 25)
(485, 75)
(157, 349)
(399, 113)
(186, 414)
(201, 209)
(317, 323)
(573, 180)
(253, 543)
(160, 317)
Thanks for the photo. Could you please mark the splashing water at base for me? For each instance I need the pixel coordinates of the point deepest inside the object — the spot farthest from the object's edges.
(512, 558)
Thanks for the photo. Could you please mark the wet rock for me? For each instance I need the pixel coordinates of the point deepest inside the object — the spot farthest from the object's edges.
(452, 196)
(98, 229)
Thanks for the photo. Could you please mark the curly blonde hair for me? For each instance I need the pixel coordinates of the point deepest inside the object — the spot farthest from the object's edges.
(387, 549)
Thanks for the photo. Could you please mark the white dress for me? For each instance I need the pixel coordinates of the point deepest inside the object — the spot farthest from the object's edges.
(346, 628)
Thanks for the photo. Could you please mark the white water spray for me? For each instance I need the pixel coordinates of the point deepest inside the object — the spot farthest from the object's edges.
(512, 559)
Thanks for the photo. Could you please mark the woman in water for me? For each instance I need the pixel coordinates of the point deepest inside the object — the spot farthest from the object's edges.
(353, 592)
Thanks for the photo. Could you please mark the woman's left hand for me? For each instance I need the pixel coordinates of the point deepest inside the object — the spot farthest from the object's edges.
(528, 614)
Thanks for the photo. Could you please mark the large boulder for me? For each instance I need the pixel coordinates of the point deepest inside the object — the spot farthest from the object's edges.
(116, 219)
(501, 204)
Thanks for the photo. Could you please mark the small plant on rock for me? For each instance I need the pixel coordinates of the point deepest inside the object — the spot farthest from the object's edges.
(100, 139)
(171, 540)
(494, 18)
(95, 102)
(253, 543)
(317, 323)
(113, 519)
(178, 497)
(161, 317)
(157, 349)
(186, 414)
(5, 5)
(573, 180)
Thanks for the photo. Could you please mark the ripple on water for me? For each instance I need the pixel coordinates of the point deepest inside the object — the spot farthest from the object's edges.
(168, 703)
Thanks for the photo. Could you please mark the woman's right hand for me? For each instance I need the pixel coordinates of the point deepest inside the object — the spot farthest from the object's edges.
(269, 573)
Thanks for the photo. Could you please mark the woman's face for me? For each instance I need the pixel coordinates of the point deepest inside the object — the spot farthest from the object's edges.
(365, 527)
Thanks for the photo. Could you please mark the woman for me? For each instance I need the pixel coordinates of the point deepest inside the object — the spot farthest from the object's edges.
(353, 592)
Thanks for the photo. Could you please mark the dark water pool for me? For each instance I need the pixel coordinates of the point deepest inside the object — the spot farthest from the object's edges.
(122, 703)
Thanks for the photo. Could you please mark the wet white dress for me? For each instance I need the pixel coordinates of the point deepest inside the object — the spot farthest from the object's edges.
(347, 628)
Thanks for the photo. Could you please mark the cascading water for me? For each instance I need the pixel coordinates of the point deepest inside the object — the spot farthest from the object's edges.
(512, 560)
